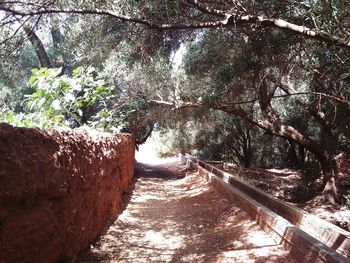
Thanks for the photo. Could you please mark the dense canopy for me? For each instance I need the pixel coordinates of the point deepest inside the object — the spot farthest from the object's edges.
(255, 83)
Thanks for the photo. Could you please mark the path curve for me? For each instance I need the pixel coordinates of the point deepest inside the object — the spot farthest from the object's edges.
(170, 214)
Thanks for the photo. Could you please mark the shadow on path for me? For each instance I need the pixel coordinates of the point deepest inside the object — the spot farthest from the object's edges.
(169, 214)
(169, 171)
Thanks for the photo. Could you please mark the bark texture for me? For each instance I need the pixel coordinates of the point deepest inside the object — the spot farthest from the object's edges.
(38, 47)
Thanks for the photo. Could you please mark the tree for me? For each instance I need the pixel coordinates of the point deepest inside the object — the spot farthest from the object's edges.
(251, 59)
(224, 14)
(261, 80)
(222, 137)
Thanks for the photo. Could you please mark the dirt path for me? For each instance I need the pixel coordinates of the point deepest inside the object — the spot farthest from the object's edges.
(172, 215)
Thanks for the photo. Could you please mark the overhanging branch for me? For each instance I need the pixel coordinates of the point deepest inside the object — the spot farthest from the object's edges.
(227, 21)
(176, 105)
(345, 103)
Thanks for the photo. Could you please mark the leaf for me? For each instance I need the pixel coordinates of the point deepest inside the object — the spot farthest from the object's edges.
(46, 72)
(56, 105)
(77, 71)
(79, 103)
(69, 97)
(90, 70)
(80, 112)
(41, 102)
(75, 85)
(59, 118)
(56, 71)
(33, 81)
(36, 70)
(64, 85)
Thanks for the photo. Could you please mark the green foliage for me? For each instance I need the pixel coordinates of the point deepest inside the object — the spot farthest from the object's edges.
(29, 120)
(64, 98)
(7, 98)
(59, 100)
(221, 67)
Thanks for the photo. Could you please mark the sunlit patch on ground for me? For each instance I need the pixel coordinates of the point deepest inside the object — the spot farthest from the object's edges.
(170, 217)
(163, 240)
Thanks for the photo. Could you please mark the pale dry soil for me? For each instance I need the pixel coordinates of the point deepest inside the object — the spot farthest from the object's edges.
(281, 182)
(170, 214)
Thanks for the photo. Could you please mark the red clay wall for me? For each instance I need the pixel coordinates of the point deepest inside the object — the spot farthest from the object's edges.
(58, 190)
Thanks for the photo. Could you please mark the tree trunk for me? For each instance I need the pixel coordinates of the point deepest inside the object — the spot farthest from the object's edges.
(329, 177)
(248, 150)
(38, 47)
(329, 188)
(301, 156)
(247, 161)
(272, 124)
(291, 153)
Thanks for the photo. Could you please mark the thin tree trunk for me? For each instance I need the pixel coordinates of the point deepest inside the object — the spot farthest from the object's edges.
(38, 47)
(329, 184)
(291, 153)
(301, 151)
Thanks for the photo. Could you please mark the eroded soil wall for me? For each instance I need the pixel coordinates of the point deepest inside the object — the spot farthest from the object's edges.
(58, 190)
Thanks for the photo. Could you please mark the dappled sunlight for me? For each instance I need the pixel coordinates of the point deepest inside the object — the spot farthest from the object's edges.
(267, 253)
(259, 239)
(127, 216)
(173, 215)
(146, 197)
(162, 239)
(332, 213)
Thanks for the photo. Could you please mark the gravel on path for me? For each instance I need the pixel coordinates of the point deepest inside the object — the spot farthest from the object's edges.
(170, 214)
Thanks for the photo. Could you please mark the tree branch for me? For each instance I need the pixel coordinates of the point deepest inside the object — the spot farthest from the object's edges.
(178, 105)
(205, 9)
(277, 129)
(229, 21)
(280, 130)
(343, 102)
(38, 47)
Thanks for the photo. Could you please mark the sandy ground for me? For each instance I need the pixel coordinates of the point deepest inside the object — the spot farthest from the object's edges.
(281, 183)
(172, 215)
